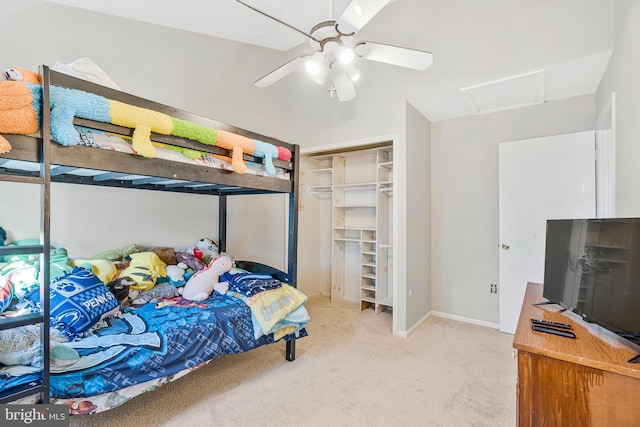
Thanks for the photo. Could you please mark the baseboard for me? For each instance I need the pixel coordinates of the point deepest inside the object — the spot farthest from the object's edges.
(412, 329)
(464, 319)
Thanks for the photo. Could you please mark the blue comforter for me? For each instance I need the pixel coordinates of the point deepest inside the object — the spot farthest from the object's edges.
(147, 343)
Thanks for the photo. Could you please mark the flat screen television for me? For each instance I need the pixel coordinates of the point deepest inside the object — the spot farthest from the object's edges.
(592, 266)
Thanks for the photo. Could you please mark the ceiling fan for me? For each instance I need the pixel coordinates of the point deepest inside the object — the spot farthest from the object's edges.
(335, 50)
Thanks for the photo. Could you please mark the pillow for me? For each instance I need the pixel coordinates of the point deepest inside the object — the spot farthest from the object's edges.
(103, 268)
(78, 301)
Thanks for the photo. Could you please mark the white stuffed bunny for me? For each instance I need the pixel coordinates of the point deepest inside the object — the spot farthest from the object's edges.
(201, 285)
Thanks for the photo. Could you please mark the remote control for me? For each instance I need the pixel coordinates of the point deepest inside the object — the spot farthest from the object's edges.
(550, 323)
(548, 330)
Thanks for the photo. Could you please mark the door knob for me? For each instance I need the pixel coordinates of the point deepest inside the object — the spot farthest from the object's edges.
(505, 246)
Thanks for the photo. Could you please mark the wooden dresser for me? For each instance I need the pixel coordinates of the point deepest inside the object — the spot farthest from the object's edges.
(579, 382)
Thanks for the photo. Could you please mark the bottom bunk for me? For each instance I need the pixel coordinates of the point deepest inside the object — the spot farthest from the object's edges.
(114, 339)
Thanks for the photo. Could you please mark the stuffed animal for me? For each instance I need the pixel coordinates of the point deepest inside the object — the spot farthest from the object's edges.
(268, 152)
(120, 288)
(284, 154)
(238, 145)
(190, 261)
(161, 290)
(20, 75)
(205, 250)
(19, 106)
(166, 254)
(144, 269)
(119, 253)
(201, 285)
(176, 274)
(143, 121)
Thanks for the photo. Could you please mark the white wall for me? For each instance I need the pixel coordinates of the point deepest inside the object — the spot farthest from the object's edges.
(623, 77)
(464, 187)
(417, 248)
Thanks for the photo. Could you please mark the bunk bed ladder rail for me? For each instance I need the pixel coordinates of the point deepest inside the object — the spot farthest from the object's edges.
(40, 386)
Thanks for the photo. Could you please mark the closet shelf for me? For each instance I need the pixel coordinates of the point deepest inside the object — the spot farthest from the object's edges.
(354, 206)
(386, 246)
(369, 276)
(341, 227)
(388, 302)
(359, 186)
(320, 190)
(386, 165)
(320, 171)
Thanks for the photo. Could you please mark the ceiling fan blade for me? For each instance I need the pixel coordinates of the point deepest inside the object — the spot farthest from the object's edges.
(282, 71)
(279, 21)
(358, 13)
(394, 55)
(345, 89)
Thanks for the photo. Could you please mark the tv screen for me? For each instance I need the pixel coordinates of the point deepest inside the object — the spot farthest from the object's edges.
(592, 266)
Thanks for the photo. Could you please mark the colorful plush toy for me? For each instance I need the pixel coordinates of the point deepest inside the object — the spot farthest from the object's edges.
(69, 103)
(203, 134)
(201, 285)
(268, 152)
(19, 110)
(238, 145)
(284, 154)
(144, 269)
(143, 121)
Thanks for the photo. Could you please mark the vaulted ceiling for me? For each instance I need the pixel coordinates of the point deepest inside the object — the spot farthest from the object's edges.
(505, 78)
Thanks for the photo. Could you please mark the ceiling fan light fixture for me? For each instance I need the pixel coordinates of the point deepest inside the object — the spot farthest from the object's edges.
(344, 87)
(352, 73)
(346, 54)
(315, 64)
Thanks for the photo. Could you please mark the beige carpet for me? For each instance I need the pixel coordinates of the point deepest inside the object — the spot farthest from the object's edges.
(349, 371)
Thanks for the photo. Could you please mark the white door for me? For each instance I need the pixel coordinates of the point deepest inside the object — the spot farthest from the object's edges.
(539, 179)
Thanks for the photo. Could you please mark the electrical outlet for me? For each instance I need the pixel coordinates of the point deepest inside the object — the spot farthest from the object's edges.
(493, 288)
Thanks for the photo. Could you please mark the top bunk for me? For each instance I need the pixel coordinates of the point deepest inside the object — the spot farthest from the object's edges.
(102, 136)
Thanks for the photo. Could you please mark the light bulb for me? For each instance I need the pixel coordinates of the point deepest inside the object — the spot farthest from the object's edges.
(315, 63)
(312, 67)
(346, 55)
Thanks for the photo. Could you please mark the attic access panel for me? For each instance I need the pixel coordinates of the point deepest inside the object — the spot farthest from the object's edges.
(504, 94)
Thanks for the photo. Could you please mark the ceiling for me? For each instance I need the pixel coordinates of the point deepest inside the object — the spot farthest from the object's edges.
(467, 94)
(221, 18)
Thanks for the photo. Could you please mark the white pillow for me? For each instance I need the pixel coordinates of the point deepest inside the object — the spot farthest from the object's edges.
(86, 69)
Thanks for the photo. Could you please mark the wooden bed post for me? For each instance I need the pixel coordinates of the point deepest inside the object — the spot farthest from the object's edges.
(292, 252)
(222, 223)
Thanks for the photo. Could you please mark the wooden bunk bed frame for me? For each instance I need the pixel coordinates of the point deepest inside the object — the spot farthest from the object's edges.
(57, 163)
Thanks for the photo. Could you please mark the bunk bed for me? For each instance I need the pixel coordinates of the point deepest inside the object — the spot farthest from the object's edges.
(138, 351)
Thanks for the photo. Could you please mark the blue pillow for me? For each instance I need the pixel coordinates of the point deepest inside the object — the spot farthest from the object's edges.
(78, 301)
